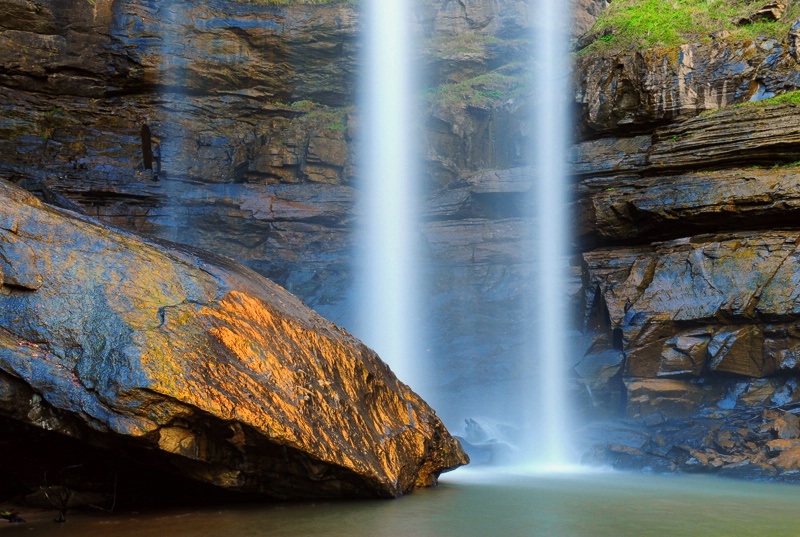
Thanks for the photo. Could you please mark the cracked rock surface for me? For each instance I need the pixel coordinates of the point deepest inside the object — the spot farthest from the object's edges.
(687, 211)
(219, 374)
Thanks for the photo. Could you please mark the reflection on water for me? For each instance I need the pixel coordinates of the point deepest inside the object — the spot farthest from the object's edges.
(481, 504)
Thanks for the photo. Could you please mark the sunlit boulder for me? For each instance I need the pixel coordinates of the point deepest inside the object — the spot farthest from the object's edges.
(203, 364)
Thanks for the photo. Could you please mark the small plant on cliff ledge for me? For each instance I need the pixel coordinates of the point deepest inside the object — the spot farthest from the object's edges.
(483, 91)
(462, 43)
(304, 105)
(51, 120)
(790, 97)
(653, 23)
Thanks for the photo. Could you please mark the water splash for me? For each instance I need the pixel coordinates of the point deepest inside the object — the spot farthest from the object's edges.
(388, 262)
(548, 412)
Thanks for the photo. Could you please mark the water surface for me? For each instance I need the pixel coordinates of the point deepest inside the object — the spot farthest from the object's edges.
(468, 503)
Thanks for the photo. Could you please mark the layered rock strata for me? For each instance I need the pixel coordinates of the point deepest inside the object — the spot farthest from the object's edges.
(231, 126)
(687, 222)
(636, 91)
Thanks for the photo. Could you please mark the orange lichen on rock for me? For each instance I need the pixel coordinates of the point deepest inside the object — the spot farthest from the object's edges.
(227, 375)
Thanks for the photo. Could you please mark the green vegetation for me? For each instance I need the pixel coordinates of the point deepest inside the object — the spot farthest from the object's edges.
(793, 164)
(652, 23)
(462, 43)
(51, 120)
(790, 97)
(483, 91)
(304, 105)
(776, 166)
(319, 115)
(334, 119)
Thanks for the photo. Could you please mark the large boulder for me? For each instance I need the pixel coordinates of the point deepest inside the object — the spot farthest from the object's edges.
(217, 371)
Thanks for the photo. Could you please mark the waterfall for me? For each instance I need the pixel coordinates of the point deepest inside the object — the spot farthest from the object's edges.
(388, 261)
(548, 412)
(387, 268)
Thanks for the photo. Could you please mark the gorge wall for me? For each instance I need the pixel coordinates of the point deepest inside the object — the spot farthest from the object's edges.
(685, 184)
(232, 126)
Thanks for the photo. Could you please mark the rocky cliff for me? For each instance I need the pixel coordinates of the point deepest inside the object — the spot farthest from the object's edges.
(687, 175)
(232, 126)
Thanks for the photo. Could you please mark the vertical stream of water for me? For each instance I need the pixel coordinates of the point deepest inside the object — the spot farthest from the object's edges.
(388, 264)
(549, 411)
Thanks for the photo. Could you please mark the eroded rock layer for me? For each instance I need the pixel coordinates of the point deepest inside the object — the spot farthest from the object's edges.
(686, 203)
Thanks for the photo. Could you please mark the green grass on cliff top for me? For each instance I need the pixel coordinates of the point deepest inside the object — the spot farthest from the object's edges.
(790, 97)
(652, 23)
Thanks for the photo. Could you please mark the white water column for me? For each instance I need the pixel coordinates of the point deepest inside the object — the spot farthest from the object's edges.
(549, 408)
(387, 269)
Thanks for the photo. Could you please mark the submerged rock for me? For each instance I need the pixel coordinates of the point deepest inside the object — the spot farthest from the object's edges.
(492, 443)
(217, 371)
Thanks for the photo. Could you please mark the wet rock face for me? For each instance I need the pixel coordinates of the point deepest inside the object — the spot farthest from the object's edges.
(687, 223)
(721, 304)
(250, 144)
(226, 377)
(752, 444)
(100, 48)
(633, 92)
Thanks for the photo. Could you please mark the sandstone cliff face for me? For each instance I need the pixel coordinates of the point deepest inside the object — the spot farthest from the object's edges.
(225, 375)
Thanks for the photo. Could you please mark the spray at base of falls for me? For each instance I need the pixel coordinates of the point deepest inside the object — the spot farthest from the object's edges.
(388, 260)
(547, 408)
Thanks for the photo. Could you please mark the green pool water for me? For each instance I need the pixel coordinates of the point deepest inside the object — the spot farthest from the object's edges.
(493, 504)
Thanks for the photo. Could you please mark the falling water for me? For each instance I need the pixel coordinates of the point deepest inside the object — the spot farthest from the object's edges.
(388, 283)
(172, 217)
(550, 65)
(388, 260)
